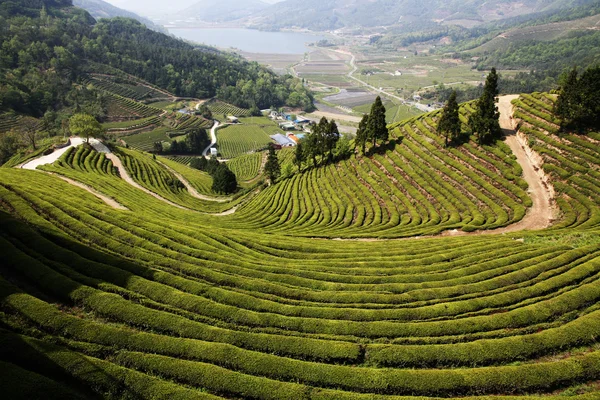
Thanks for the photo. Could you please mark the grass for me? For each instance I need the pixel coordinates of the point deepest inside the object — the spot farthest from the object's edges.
(164, 302)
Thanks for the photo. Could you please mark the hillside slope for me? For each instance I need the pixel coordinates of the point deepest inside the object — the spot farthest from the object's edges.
(222, 10)
(333, 14)
(102, 9)
(158, 301)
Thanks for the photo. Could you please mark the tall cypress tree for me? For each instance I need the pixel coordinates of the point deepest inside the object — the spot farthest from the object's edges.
(484, 122)
(361, 133)
(567, 104)
(377, 127)
(272, 167)
(449, 124)
(300, 155)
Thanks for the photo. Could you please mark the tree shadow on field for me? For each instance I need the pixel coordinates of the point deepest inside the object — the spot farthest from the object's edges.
(27, 354)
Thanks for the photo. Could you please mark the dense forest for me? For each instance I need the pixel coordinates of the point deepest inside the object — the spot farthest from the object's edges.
(48, 46)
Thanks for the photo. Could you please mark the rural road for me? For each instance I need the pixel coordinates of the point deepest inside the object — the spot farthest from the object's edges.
(52, 157)
(213, 138)
(101, 148)
(540, 215)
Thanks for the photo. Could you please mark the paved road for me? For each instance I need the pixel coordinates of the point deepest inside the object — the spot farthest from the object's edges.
(50, 158)
(213, 138)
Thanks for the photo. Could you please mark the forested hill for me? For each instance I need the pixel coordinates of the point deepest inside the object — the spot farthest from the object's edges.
(101, 9)
(400, 14)
(48, 45)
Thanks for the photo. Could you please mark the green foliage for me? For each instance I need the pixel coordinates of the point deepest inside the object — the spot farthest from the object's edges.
(85, 125)
(272, 167)
(484, 121)
(199, 163)
(376, 125)
(449, 124)
(224, 181)
(578, 103)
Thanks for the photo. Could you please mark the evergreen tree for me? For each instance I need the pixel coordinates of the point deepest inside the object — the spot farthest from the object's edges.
(299, 156)
(272, 167)
(199, 163)
(449, 124)
(484, 122)
(332, 135)
(197, 140)
(212, 164)
(224, 181)
(568, 99)
(361, 133)
(590, 98)
(158, 147)
(377, 127)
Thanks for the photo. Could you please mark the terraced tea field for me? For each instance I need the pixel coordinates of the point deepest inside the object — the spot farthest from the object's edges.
(258, 301)
(236, 140)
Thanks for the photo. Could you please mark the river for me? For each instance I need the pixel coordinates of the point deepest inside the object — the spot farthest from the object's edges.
(249, 40)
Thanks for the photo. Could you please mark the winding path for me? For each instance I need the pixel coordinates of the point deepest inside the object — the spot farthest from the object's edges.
(51, 158)
(213, 138)
(193, 192)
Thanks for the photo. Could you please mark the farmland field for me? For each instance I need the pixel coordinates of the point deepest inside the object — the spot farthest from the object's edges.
(236, 140)
(390, 276)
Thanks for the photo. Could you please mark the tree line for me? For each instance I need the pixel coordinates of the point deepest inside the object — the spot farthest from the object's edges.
(578, 103)
(196, 140)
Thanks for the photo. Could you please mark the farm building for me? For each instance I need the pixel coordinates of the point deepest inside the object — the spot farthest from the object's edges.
(288, 126)
(213, 151)
(293, 137)
(301, 120)
(282, 140)
(233, 120)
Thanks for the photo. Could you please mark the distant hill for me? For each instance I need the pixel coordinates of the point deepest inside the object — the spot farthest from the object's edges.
(222, 10)
(101, 9)
(334, 14)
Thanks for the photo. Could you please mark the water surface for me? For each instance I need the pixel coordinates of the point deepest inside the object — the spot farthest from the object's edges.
(250, 40)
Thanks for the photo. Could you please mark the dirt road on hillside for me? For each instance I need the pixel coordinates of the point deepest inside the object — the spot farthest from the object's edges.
(541, 214)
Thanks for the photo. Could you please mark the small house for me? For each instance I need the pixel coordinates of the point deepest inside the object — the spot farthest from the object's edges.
(232, 119)
(213, 151)
(283, 140)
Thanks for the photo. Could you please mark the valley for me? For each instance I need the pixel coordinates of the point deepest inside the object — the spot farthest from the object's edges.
(354, 221)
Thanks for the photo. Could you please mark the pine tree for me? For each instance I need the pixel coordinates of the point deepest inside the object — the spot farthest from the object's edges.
(272, 167)
(568, 99)
(332, 135)
(299, 156)
(449, 124)
(224, 181)
(361, 133)
(377, 127)
(484, 122)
